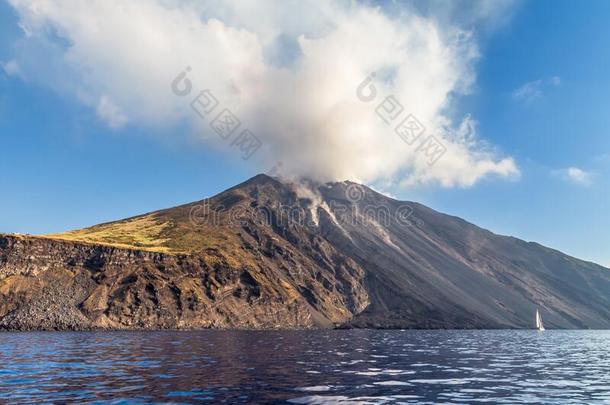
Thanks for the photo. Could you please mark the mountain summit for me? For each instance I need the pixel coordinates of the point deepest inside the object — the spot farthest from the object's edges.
(269, 253)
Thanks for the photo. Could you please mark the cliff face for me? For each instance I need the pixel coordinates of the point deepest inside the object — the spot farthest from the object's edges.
(269, 254)
(59, 285)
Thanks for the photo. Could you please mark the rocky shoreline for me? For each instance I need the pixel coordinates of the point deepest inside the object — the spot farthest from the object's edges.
(235, 261)
(50, 284)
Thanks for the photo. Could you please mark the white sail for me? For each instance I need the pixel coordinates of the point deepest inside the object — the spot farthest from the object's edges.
(539, 324)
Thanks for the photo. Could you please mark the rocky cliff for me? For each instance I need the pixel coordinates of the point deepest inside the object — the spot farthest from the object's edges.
(48, 283)
(272, 254)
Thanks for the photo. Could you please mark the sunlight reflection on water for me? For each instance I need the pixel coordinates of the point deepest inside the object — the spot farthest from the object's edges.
(306, 367)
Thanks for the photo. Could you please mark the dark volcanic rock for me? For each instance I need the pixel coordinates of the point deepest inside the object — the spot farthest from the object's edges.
(58, 285)
(271, 254)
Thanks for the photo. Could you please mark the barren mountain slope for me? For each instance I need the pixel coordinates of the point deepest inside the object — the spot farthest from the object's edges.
(268, 254)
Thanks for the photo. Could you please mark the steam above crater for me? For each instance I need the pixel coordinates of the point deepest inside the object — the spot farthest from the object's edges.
(288, 71)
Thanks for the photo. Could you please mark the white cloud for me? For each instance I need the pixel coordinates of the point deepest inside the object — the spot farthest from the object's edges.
(529, 91)
(110, 113)
(575, 175)
(535, 89)
(289, 70)
(11, 68)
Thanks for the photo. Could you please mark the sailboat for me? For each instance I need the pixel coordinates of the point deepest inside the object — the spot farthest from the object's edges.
(539, 324)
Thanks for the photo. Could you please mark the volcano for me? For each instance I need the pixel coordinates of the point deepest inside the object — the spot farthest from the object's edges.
(270, 253)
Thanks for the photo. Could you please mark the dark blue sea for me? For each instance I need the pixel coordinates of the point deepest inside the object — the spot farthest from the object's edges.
(306, 367)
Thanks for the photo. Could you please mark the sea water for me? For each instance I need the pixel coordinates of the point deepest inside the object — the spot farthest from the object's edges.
(306, 367)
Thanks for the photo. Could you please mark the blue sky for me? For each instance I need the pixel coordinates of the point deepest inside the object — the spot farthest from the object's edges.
(541, 96)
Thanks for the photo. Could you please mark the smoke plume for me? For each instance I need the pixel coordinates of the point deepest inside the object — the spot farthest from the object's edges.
(290, 71)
